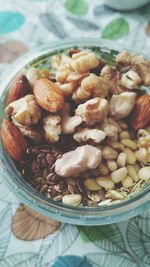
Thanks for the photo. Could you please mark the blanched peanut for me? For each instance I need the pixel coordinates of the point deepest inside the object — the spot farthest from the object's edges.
(92, 185)
(131, 158)
(116, 145)
(109, 153)
(119, 174)
(129, 143)
(94, 196)
(132, 172)
(103, 169)
(127, 181)
(73, 199)
(105, 182)
(112, 165)
(122, 124)
(121, 160)
(114, 194)
(124, 135)
(144, 173)
(114, 123)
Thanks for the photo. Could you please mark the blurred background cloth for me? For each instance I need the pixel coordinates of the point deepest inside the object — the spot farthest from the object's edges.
(29, 23)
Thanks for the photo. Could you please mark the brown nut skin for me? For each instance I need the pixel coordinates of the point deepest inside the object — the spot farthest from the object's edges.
(12, 140)
(140, 117)
(48, 95)
(20, 87)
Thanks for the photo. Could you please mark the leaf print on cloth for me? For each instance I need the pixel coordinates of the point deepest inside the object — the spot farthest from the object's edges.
(138, 239)
(51, 22)
(56, 244)
(147, 29)
(83, 24)
(76, 7)
(144, 222)
(11, 50)
(30, 225)
(102, 10)
(19, 260)
(110, 260)
(116, 29)
(5, 229)
(71, 261)
(107, 237)
(10, 21)
(6, 195)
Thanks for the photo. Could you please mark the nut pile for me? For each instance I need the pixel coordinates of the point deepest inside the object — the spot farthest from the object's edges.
(80, 132)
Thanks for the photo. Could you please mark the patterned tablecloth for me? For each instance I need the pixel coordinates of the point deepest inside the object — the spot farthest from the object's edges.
(29, 23)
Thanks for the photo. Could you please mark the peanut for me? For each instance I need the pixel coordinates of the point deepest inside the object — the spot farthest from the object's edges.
(119, 174)
(129, 143)
(132, 172)
(131, 158)
(144, 173)
(113, 194)
(116, 145)
(123, 125)
(114, 123)
(112, 165)
(103, 169)
(73, 199)
(127, 181)
(109, 153)
(124, 135)
(105, 182)
(92, 185)
(121, 160)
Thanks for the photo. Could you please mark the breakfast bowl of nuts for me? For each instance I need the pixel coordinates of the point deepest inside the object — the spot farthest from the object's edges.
(75, 131)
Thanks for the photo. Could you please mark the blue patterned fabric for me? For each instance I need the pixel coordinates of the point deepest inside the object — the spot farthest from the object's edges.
(29, 23)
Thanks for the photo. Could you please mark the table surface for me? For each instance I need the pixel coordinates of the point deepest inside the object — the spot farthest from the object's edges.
(28, 23)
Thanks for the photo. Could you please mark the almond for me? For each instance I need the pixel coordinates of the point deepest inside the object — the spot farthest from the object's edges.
(48, 95)
(141, 112)
(20, 87)
(13, 141)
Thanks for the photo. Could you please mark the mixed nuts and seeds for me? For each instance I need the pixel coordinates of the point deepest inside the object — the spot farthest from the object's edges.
(80, 132)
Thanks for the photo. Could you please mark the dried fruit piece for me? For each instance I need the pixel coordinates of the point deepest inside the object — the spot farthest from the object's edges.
(20, 87)
(48, 95)
(78, 160)
(141, 112)
(13, 140)
(25, 110)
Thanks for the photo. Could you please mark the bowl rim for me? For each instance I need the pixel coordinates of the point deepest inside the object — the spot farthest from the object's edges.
(39, 201)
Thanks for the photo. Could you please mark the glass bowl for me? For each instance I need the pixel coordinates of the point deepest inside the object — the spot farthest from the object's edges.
(75, 215)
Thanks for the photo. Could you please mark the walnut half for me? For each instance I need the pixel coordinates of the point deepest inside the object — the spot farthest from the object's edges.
(52, 128)
(85, 134)
(94, 110)
(121, 105)
(25, 110)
